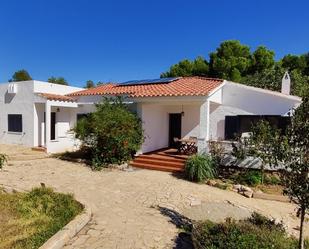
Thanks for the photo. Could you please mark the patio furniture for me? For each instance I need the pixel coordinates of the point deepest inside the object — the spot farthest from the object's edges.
(188, 146)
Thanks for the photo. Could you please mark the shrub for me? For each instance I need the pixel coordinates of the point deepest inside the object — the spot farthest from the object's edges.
(200, 167)
(217, 151)
(272, 180)
(112, 133)
(250, 177)
(3, 160)
(257, 232)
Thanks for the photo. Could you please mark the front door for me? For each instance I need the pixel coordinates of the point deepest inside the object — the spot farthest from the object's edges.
(53, 126)
(174, 128)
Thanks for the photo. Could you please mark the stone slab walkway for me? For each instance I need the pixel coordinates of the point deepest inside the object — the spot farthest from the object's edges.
(123, 203)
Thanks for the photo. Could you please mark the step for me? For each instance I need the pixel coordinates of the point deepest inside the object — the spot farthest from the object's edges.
(156, 167)
(177, 156)
(159, 162)
(43, 149)
(162, 158)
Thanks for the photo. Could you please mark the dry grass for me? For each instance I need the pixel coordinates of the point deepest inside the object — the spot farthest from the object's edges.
(27, 220)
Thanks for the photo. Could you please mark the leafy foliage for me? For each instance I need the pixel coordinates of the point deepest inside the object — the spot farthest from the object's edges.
(89, 84)
(250, 177)
(3, 160)
(198, 67)
(262, 144)
(292, 151)
(32, 218)
(112, 133)
(217, 151)
(296, 158)
(262, 59)
(230, 61)
(234, 61)
(58, 80)
(256, 232)
(20, 75)
(200, 167)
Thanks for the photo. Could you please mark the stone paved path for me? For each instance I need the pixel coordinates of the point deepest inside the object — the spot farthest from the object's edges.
(123, 203)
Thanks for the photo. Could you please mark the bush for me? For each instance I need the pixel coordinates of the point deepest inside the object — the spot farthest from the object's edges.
(112, 133)
(257, 232)
(251, 178)
(217, 151)
(200, 167)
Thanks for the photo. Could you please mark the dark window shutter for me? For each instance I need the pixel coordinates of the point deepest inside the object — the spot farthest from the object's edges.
(231, 127)
(15, 122)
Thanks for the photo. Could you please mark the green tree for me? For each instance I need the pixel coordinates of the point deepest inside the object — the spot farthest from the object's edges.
(197, 67)
(20, 75)
(230, 61)
(262, 144)
(89, 84)
(112, 133)
(58, 80)
(292, 62)
(296, 160)
(183, 68)
(268, 79)
(272, 79)
(200, 67)
(262, 59)
(291, 151)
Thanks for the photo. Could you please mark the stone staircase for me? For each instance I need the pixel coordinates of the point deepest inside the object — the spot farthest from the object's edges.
(164, 160)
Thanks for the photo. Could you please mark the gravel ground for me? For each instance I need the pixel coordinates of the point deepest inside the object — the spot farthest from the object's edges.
(125, 204)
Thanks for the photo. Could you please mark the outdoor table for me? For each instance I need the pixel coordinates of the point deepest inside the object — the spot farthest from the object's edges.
(187, 146)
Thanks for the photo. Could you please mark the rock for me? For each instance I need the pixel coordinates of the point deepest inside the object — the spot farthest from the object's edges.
(195, 203)
(237, 187)
(248, 194)
(211, 182)
(245, 188)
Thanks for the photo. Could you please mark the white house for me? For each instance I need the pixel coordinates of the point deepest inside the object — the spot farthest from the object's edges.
(181, 107)
(26, 105)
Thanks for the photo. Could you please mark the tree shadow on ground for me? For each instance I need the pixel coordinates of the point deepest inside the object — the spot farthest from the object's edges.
(183, 240)
(79, 156)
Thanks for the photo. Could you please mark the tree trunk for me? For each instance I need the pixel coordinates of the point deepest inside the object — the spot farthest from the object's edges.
(301, 231)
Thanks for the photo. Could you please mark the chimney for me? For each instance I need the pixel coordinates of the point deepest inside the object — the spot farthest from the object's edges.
(286, 84)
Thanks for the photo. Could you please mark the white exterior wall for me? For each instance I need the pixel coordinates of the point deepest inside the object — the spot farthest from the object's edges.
(32, 108)
(46, 87)
(155, 119)
(19, 103)
(240, 100)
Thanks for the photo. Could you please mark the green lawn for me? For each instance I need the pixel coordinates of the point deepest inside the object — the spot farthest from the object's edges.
(27, 220)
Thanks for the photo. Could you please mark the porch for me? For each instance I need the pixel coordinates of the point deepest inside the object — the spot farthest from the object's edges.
(54, 118)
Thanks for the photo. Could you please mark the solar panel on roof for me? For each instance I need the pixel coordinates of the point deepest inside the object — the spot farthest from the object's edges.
(149, 81)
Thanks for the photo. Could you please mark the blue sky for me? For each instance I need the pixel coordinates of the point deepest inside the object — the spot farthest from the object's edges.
(124, 40)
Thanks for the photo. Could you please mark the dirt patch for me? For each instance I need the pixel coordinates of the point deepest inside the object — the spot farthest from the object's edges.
(217, 211)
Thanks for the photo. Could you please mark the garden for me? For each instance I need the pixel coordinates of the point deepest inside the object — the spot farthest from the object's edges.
(29, 219)
(287, 153)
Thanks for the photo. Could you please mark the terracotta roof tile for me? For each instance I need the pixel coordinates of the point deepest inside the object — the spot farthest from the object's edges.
(184, 86)
(50, 96)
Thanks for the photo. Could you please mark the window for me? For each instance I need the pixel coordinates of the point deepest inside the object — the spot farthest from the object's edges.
(236, 125)
(82, 115)
(15, 122)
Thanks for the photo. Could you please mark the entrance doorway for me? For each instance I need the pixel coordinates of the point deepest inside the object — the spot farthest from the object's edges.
(174, 128)
(52, 125)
